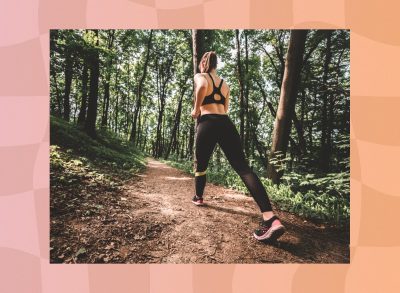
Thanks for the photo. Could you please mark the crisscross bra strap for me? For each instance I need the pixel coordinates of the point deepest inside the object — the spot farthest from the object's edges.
(212, 80)
(214, 87)
(220, 85)
(216, 90)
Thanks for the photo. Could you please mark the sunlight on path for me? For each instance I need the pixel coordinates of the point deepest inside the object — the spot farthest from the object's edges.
(177, 178)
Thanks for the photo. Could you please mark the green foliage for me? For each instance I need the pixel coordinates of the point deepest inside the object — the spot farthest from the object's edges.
(326, 198)
(83, 167)
(107, 150)
(279, 161)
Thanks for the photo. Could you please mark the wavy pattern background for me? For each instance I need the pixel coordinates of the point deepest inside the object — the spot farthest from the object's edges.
(24, 145)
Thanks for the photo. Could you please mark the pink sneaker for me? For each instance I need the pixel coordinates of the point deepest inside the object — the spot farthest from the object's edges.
(269, 230)
(197, 200)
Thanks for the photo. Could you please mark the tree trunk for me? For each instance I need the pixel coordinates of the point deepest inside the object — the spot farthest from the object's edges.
(90, 124)
(164, 75)
(241, 90)
(139, 125)
(139, 91)
(128, 102)
(106, 104)
(324, 157)
(82, 112)
(53, 71)
(116, 90)
(116, 109)
(198, 51)
(176, 123)
(246, 100)
(287, 101)
(59, 110)
(68, 81)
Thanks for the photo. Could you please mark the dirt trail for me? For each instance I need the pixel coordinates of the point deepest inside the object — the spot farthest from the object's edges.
(168, 228)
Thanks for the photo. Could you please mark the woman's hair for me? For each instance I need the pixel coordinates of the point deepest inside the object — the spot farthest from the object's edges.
(208, 62)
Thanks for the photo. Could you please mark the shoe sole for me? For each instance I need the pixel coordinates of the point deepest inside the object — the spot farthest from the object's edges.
(272, 235)
(197, 203)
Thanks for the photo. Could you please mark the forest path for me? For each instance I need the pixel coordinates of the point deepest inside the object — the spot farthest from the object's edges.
(169, 228)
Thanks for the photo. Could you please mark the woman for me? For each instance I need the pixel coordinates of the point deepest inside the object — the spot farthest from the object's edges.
(214, 126)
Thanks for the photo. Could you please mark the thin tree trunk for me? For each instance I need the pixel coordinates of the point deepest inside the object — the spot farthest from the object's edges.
(324, 157)
(68, 81)
(137, 141)
(83, 109)
(139, 91)
(128, 101)
(176, 123)
(90, 124)
(246, 100)
(164, 76)
(241, 90)
(116, 112)
(106, 104)
(116, 90)
(57, 94)
(53, 71)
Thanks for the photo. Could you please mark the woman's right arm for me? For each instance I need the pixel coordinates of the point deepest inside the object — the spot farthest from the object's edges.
(227, 101)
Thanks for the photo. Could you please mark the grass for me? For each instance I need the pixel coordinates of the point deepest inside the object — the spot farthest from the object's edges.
(107, 149)
(81, 166)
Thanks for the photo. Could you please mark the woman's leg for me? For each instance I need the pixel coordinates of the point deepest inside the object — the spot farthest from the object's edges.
(205, 143)
(230, 143)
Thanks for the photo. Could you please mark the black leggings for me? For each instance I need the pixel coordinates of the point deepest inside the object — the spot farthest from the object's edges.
(213, 128)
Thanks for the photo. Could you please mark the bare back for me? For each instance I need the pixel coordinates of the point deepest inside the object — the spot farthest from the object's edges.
(215, 108)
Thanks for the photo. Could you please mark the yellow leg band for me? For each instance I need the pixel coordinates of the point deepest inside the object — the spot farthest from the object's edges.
(200, 173)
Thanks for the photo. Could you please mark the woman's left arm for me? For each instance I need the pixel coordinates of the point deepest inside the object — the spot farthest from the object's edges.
(201, 85)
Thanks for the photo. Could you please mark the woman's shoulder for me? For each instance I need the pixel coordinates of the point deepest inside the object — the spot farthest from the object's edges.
(202, 77)
(197, 75)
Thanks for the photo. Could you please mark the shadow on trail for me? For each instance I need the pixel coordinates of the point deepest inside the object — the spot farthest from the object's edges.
(231, 211)
(297, 241)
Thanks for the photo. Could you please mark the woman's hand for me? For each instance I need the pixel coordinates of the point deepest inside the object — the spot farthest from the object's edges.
(195, 113)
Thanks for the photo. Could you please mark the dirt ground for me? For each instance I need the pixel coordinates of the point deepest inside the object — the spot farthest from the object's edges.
(152, 220)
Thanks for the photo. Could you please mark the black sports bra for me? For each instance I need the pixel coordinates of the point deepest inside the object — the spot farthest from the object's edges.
(216, 90)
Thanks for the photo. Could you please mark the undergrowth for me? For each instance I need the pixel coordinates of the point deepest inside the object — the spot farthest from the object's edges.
(322, 198)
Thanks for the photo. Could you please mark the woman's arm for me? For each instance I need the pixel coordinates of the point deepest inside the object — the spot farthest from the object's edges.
(227, 101)
(201, 85)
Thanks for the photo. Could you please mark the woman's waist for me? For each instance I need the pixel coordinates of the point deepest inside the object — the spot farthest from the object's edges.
(213, 116)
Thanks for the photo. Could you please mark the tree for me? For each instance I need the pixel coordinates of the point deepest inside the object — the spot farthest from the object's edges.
(94, 63)
(83, 109)
(197, 50)
(241, 88)
(287, 100)
(109, 62)
(326, 121)
(56, 106)
(69, 62)
(132, 138)
(177, 119)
